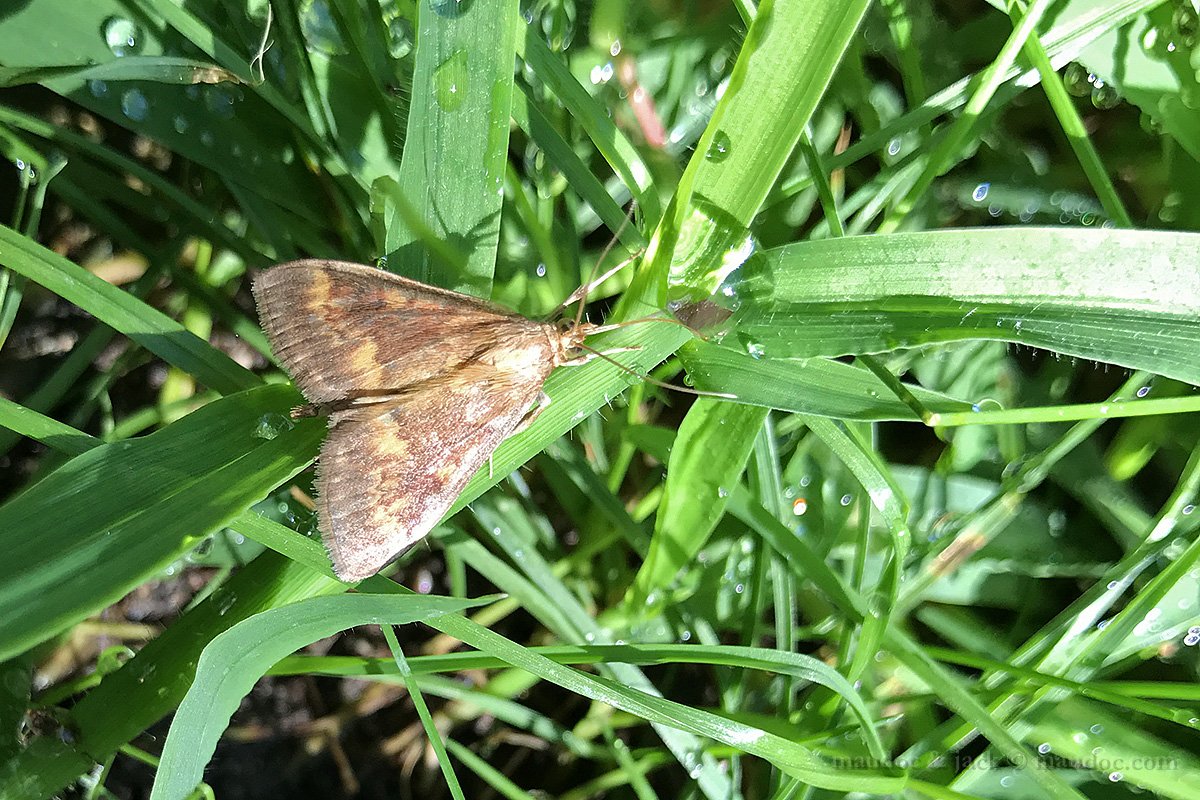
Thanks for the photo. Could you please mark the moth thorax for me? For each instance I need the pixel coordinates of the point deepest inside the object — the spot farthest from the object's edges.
(526, 357)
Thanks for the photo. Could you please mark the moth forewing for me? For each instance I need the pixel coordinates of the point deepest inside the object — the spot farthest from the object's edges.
(423, 385)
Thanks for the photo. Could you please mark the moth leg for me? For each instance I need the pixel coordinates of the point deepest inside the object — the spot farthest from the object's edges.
(579, 361)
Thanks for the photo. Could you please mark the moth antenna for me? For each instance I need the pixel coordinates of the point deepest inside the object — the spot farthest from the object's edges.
(656, 381)
(612, 326)
(581, 293)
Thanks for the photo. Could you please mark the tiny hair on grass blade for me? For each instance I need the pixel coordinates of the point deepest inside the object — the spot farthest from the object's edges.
(420, 385)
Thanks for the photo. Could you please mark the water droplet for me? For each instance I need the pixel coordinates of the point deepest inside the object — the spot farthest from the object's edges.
(894, 145)
(614, 49)
(1044, 748)
(450, 8)
(400, 37)
(450, 81)
(1186, 24)
(135, 105)
(1115, 777)
(97, 87)
(800, 506)
(180, 123)
(558, 26)
(718, 149)
(1143, 391)
(722, 491)
(207, 138)
(220, 102)
(271, 425)
(1105, 97)
(123, 36)
(602, 73)
(846, 500)
(755, 350)
(981, 192)
(541, 270)
(1077, 80)
(320, 30)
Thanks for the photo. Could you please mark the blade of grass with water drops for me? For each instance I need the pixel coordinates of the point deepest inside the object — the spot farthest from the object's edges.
(1069, 290)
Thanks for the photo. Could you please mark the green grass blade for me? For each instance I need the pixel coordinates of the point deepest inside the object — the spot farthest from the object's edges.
(813, 386)
(1067, 290)
(137, 505)
(151, 684)
(710, 453)
(236, 658)
(459, 114)
(147, 326)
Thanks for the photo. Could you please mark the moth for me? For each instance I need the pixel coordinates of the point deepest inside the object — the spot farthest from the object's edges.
(421, 385)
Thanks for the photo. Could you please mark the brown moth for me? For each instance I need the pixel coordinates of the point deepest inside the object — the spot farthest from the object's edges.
(421, 385)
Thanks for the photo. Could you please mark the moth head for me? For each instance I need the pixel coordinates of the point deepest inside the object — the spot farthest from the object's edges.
(570, 337)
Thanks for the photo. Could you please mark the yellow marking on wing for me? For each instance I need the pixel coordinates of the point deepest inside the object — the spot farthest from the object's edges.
(364, 360)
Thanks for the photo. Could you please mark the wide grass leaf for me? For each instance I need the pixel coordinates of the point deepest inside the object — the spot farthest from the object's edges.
(147, 326)
(1072, 291)
(153, 682)
(710, 453)
(459, 114)
(809, 386)
(237, 658)
(110, 518)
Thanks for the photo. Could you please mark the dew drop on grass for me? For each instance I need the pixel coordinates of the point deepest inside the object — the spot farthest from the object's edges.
(558, 26)
(1078, 80)
(135, 105)
(1186, 23)
(602, 74)
(1105, 97)
(220, 102)
(450, 8)
(97, 87)
(271, 425)
(981, 192)
(719, 148)
(450, 81)
(319, 29)
(400, 37)
(123, 36)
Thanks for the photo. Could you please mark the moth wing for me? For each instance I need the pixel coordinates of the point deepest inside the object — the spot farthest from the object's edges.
(389, 472)
(347, 330)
